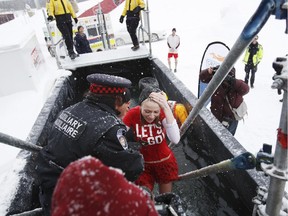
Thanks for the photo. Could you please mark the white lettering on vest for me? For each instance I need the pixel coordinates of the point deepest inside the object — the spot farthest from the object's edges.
(69, 125)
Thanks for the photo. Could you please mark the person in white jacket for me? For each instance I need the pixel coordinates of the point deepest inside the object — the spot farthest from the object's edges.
(173, 42)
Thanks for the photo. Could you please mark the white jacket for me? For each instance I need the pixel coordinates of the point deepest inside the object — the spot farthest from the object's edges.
(173, 43)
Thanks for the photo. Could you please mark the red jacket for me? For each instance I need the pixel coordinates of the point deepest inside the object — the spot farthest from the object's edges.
(234, 92)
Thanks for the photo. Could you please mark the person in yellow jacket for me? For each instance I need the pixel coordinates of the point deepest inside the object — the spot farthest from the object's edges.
(253, 56)
(63, 12)
(179, 112)
(132, 10)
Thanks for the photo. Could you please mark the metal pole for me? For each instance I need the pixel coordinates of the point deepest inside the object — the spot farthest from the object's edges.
(142, 29)
(148, 24)
(37, 5)
(35, 212)
(251, 29)
(52, 41)
(106, 32)
(101, 27)
(13, 141)
(244, 161)
(278, 171)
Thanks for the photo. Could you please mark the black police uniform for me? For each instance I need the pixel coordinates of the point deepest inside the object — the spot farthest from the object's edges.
(253, 49)
(86, 128)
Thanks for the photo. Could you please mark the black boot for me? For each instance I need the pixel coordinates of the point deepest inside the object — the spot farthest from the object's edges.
(134, 48)
(72, 55)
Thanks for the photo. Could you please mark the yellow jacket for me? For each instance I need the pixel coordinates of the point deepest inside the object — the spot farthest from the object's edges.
(179, 111)
(256, 58)
(134, 4)
(55, 7)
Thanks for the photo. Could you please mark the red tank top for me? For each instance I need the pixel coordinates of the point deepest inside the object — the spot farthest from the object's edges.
(151, 135)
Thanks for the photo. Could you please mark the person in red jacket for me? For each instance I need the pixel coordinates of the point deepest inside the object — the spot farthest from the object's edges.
(232, 88)
(87, 187)
(151, 122)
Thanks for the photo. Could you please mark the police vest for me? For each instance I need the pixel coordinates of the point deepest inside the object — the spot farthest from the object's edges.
(77, 130)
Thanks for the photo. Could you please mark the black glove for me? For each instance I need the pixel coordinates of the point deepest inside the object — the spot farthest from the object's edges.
(50, 18)
(76, 20)
(121, 19)
(230, 80)
(136, 146)
(137, 9)
(173, 202)
(132, 170)
(215, 69)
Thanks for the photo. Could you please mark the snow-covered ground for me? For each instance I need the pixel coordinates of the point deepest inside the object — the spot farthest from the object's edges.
(197, 24)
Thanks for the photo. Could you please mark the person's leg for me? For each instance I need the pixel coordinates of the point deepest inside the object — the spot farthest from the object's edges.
(45, 198)
(165, 188)
(169, 61)
(247, 71)
(165, 173)
(252, 80)
(132, 24)
(176, 61)
(146, 178)
(232, 127)
(70, 33)
(64, 28)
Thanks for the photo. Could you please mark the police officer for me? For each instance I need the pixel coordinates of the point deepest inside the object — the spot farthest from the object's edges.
(90, 127)
(62, 10)
(253, 56)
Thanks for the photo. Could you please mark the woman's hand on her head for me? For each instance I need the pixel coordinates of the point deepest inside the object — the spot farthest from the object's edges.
(160, 98)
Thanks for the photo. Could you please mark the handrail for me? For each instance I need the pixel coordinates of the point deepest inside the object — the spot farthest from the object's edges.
(52, 41)
(144, 30)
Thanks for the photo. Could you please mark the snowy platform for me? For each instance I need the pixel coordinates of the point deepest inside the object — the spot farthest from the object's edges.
(109, 56)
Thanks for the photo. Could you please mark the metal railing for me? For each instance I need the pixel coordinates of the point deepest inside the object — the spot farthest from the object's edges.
(144, 27)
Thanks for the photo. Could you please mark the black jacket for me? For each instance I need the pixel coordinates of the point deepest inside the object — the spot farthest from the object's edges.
(87, 128)
(82, 44)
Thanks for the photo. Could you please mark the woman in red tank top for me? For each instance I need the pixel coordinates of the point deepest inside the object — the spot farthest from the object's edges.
(151, 121)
